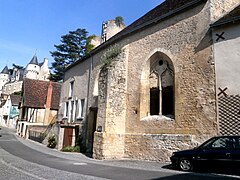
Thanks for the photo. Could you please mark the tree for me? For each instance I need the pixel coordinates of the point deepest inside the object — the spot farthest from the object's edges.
(119, 21)
(89, 46)
(74, 46)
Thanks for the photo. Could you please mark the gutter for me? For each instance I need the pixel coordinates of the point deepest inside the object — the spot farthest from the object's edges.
(232, 20)
(89, 79)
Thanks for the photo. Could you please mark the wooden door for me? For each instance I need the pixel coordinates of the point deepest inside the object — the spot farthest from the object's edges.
(67, 139)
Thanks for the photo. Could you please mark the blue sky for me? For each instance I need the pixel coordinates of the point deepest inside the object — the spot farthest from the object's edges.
(29, 26)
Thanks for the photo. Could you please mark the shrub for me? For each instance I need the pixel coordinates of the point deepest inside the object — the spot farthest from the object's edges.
(52, 142)
(71, 149)
(109, 55)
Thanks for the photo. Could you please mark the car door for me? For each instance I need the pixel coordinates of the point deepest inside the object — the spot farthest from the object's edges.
(235, 153)
(216, 152)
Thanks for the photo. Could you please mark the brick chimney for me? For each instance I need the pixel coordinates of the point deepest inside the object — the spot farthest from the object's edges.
(48, 104)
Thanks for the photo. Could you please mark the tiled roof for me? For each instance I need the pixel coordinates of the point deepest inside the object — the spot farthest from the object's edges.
(34, 60)
(56, 95)
(40, 64)
(35, 93)
(5, 70)
(15, 99)
(21, 74)
(233, 16)
(164, 10)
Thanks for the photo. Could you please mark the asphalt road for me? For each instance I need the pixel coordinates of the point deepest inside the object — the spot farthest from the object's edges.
(24, 159)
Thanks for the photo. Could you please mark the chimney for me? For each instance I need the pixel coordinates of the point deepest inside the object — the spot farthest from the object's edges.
(48, 103)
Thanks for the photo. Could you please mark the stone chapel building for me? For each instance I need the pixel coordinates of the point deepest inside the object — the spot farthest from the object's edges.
(156, 86)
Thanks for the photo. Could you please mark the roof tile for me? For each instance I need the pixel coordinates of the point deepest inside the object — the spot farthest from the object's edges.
(35, 93)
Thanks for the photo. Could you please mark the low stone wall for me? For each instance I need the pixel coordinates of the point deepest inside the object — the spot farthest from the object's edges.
(108, 146)
(156, 147)
(152, 147)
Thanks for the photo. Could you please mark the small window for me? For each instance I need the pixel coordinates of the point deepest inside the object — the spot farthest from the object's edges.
(66, 109)
(80, 110)
(71, 111)
(77, 109)
(82, 107)
(71, 89)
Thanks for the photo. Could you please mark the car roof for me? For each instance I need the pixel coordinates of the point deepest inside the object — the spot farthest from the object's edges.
(226, 136)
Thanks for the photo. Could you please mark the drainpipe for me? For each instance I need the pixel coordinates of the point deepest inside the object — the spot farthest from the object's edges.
(87, 102)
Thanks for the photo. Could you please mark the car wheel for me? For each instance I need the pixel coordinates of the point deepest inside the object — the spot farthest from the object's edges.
(185, 164)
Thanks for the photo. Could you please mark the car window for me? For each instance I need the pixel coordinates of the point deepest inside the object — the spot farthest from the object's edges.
(222, 143)
(236, 143)
(207, 144)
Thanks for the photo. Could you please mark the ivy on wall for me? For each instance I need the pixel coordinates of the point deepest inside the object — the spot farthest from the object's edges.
(109, 55)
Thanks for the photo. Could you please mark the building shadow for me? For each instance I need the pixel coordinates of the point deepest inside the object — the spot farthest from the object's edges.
(220, 172)
(194, 176)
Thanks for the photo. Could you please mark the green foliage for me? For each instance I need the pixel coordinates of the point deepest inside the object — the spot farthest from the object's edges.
(52, 142)
(17, 93)
(74, 46)
(89, 46)
(80, 143)
(119, 21)
(109, 55)
(71, 149)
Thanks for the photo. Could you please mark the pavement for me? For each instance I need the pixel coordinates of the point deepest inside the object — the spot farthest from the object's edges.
(82, 158)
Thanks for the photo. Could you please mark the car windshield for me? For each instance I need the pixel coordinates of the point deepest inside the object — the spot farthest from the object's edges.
(207, 144)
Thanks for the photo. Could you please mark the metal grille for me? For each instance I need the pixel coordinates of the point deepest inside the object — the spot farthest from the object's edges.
(229, 115)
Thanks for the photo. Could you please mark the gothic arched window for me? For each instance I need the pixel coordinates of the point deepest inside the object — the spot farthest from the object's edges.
(157, 87)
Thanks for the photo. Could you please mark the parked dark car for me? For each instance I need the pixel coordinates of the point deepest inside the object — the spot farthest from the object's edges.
(221, 151)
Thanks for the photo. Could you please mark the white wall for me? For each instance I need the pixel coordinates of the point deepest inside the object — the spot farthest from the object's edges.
(227, 59)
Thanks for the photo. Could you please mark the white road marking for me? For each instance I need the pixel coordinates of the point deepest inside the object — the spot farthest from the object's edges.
(80, 164)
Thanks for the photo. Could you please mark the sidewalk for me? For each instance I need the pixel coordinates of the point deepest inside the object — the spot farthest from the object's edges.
(81, 158)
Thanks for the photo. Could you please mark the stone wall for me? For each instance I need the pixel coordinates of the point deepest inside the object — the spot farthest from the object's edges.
(188, 47)
(12, 87)
(112, 108)
(122, 132)
(156, 147)
(108, 146)
(219, 8)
